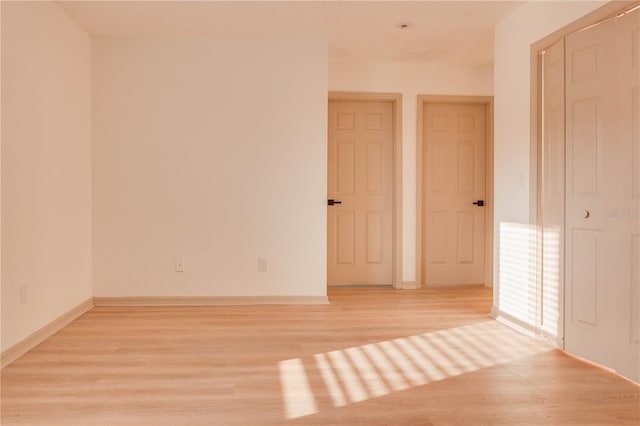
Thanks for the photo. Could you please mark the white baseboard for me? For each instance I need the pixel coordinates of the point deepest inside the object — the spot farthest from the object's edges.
(210, 301)
(452, 285)
(410, 285)
(513, 322)
(30, 342)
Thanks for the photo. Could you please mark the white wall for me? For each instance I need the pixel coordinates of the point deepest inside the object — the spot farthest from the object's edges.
(214, 152)
(411, 80)
(0, 179)
(46, 168)
(514, 279)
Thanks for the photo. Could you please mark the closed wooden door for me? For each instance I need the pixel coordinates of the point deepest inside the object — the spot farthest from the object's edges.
(602, 195)
(360, 179)
(454, 141)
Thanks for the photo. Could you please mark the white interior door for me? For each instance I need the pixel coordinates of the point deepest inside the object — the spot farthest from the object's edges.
(454, 141)
(553, 184)
(627, 40)
(602, 98)
(360, 178)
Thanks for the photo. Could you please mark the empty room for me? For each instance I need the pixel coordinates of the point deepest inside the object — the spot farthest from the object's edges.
(320, 213)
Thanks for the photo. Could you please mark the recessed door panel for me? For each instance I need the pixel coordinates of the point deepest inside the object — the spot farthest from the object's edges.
(375, 239)
(635, 140)
(466, 234)
(584, 143)
(346, 235)
(586, 63)
(375, 167)
(345, 167)
(438, 161)
(635, 49)
(438, 223)
(466, 167)
(634, 293)
(584, 252)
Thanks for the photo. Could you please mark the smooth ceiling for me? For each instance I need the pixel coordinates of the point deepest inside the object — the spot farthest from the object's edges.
(459, 32)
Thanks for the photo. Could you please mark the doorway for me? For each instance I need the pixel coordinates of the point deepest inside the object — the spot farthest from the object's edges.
(454, 190)
(363, 195)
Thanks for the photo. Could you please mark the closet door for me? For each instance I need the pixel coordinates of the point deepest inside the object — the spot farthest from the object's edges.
(626, 219)
(601, 251)
(553, 192)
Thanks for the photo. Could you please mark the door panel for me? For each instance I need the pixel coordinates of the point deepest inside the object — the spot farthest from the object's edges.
(584, 253)
(360, 176)
(635, 109)
(453, 228)
(346, 237)
(375, 167)
(588, 60)
(602, 200)
(438, 237)
(466, 233)
(627, 125)
(553, 184)
(375, 237)
(345, 167)
(634, 300)
(587, 125)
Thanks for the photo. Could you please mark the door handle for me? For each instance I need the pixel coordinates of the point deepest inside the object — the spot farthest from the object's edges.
(479, 203)
(332, 202)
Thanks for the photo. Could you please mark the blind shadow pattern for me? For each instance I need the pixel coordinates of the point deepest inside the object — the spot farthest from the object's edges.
(360, 373)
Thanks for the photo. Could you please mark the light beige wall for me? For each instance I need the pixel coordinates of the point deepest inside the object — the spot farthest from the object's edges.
(514, 273)
(46, 167)
(410, 79)
(0, 177)
(214, 152)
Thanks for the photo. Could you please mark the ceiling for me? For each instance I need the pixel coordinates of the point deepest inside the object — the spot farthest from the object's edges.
(457, 32)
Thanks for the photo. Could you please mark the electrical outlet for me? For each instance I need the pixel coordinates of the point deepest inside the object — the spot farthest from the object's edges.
(180, 265)
(24, 294)
(262, 264)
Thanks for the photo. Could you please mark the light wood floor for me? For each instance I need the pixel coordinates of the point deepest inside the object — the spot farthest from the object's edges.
(373, 357)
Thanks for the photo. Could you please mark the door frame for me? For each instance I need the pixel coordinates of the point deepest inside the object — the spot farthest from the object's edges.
(396, 212)
(421, 168)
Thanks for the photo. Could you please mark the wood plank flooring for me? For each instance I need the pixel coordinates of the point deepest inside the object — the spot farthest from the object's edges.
(373, 357)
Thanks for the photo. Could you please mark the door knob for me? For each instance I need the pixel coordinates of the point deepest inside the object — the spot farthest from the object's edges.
(332, 202)
(479, 203)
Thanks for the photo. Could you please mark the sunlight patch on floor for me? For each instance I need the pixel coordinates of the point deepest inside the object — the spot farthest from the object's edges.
(373, 370)
(330, 379)
(299, 401)
(367, 372)
(348, 377)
